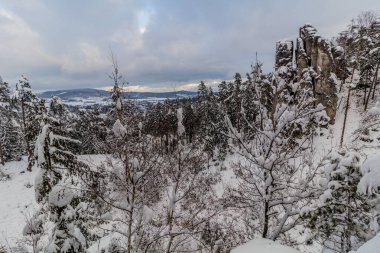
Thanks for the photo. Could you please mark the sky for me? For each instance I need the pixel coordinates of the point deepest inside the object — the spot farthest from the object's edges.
(160, 45)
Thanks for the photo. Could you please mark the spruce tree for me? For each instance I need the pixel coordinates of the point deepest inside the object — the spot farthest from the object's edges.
(30, 120)
(10, 130)
(62, 223)
(340, 220)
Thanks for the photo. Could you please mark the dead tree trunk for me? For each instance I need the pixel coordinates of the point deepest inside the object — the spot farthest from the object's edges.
(373, 84)
(345, 116)
(26, 138)
(2, 162)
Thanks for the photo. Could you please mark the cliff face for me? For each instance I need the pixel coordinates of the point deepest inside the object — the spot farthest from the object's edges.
(315, 56)
(315, 52)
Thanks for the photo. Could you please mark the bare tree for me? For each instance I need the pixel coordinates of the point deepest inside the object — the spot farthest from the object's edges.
(275, 171)
(366, 19)
(118, 86)
(188, 197)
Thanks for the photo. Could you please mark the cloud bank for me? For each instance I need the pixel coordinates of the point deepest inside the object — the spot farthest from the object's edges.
(160, 45)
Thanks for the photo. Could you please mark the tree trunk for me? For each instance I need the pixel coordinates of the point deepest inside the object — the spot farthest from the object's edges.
(374, 90)
(353, 72)
(130, 221)
(266, 206)
(375, 81)
(30, 160)
(345, 117)
(27, 144)
(170, 220)
(171, 213)
(341, 85)
(266, 220)
(2, 162)
(373, 84)
(345, 69)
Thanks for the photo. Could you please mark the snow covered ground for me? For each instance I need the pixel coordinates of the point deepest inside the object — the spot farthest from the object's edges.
(17, 201)
(263, 245)
(372, 246)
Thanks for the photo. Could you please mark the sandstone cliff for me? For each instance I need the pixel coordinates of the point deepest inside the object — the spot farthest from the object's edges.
(316, 58)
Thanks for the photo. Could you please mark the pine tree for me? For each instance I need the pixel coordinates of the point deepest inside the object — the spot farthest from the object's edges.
(235, 102)
(4, 104)
(211, 122)
(341, 219)
(12, 138)
(62, 223)
(10, 131)
(190, 120)
(131, 187)
(186, 198)
(27, 103)
(267, 192)
(90, 129)
(117, 90)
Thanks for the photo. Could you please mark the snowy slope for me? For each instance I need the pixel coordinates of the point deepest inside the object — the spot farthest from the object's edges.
(263, 246)
(17, 201)
(372, 246)
(330, 138)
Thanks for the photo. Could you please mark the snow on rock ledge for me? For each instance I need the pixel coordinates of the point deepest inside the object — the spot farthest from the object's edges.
(263, 246)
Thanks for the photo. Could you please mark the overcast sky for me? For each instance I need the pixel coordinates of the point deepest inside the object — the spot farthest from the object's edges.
(160, 45)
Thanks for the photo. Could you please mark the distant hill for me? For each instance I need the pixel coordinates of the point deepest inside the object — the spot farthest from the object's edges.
(94, 93)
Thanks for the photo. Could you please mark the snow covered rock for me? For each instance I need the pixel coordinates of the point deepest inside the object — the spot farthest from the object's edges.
(263, 246)
(314, 51)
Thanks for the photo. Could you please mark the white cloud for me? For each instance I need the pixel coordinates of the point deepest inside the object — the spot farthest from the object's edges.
(89, 59)
(157, 43)
(21, 48)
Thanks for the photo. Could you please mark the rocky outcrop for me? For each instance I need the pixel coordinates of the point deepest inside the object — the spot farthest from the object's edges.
(314, 54)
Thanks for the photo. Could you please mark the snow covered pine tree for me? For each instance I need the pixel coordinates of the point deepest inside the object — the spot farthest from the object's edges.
(341, 218)
(62, 222)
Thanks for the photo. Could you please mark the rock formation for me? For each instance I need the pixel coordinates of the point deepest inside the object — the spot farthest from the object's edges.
(316, 55)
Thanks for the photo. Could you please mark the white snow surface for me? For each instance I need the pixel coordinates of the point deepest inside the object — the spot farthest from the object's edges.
(372, 246)
(370, 182)
(263, 246)
(61, 195)
(17, 201)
